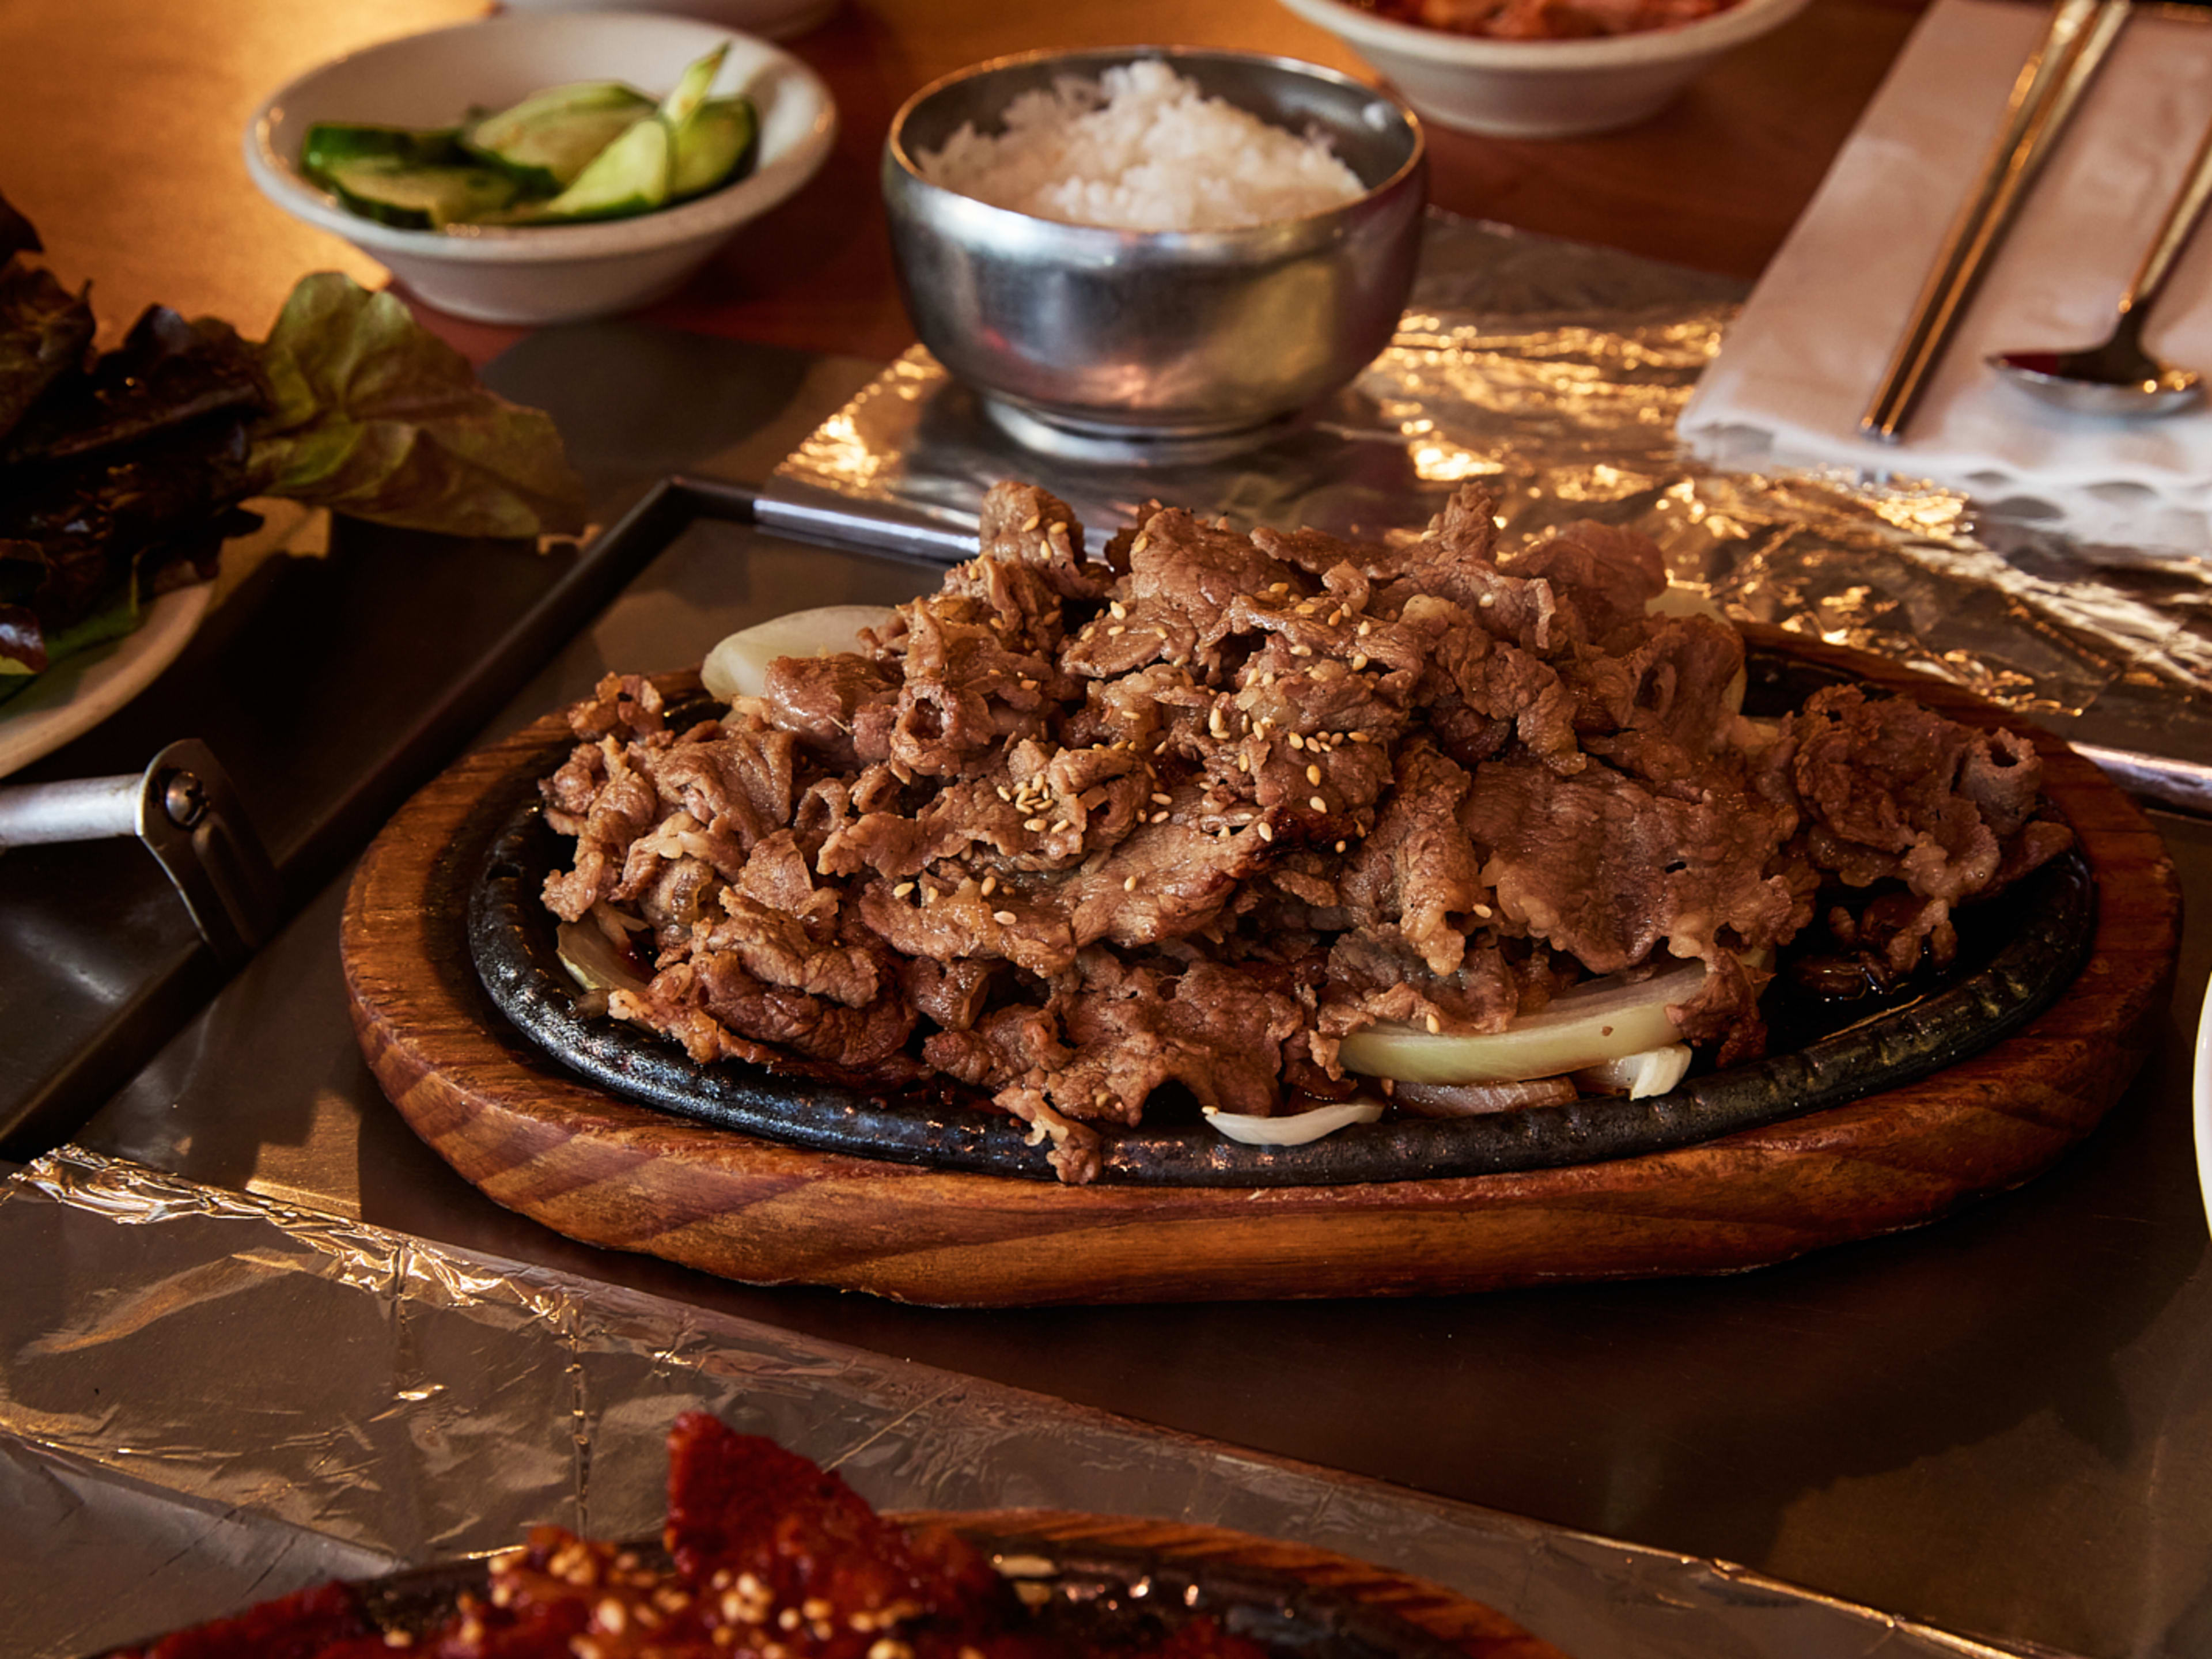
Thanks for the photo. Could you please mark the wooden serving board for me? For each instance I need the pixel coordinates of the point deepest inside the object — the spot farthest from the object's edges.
(538, 1140)
(1480, 1631)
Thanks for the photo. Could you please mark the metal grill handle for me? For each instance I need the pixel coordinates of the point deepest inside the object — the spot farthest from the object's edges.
(183, 807)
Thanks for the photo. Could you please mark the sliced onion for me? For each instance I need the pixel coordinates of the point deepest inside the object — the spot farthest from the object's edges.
(1476, 1099)
(1654, 1071)
(1294, 1129)
(1679, 599)
(737, 665)
(593, 961)
(1600, 1020)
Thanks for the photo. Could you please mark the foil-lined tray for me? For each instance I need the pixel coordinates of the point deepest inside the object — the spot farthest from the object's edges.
(208, 1399)
(1551, 374)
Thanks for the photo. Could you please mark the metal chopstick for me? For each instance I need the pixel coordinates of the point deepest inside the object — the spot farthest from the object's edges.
(2049, 84)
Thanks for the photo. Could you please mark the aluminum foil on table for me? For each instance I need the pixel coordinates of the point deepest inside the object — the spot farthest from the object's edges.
(1552, 372)
(208, 1398)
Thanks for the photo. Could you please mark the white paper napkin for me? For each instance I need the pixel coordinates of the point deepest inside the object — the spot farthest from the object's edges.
(1798, 368)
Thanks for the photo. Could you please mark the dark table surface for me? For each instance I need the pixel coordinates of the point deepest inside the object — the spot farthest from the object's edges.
(2000, 1425)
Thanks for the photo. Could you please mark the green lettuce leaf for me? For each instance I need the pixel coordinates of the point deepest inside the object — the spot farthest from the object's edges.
(168, 376)
(44, 331)
(121, 615)
(377, 418)
(22, 645)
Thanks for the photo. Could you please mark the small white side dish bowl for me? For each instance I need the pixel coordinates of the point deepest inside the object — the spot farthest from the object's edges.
(543, 273)
(1542, 89)
(772, 20)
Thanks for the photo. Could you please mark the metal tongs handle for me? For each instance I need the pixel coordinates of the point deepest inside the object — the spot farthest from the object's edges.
(2050, 83)
(183, 807)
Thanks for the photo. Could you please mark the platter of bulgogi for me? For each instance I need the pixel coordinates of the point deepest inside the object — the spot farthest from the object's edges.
(1223, 862)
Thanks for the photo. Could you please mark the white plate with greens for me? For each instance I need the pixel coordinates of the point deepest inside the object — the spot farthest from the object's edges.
(84, 689)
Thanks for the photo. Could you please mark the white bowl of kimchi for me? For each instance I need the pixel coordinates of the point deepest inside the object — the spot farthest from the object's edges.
(1546, 88)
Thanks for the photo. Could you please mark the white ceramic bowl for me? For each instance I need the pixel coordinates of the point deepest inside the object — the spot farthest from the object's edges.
(549, 273)
(1542, 89)
(772, 20)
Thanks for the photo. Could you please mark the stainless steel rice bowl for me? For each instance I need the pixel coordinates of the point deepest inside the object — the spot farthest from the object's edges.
(1175, 335)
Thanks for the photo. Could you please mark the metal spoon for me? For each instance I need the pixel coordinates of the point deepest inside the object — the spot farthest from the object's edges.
(2119, 377)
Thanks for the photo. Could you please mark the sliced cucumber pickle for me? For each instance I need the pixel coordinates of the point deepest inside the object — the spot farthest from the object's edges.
(334, 143)
(690, 89)
(591, 149)
(419, 198)
(548, 139)
(628, 176)
(714, 146)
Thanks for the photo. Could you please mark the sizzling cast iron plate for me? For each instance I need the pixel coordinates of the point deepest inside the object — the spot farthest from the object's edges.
(2014, 958)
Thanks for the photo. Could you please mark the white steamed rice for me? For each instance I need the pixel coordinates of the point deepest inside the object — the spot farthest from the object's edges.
(1142, 148)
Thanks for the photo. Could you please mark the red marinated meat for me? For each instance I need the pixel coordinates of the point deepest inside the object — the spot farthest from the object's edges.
(772, 1559)
(306, 1625)
(763, 1533)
